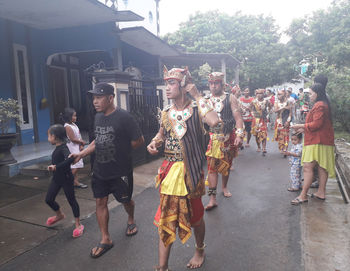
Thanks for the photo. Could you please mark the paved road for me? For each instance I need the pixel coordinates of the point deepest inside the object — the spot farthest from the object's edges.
(257, 229)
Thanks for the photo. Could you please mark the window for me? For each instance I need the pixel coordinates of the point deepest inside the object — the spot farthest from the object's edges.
(23, 86)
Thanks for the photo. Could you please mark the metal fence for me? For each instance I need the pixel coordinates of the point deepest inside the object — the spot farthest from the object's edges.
(144, 101)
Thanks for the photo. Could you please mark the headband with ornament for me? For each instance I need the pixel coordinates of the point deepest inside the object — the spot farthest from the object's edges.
(181, 75)
(216, 77)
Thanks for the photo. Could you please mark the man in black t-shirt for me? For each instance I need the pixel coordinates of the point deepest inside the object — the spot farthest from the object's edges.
(116, 134)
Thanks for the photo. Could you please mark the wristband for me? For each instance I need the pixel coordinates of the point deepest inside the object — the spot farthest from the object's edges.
(157, 140)
(240, 132)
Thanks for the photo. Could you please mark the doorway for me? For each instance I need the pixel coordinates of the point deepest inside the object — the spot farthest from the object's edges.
(59, 90)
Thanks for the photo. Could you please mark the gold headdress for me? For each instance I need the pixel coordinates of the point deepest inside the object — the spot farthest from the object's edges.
(181, 75)
(216, 77)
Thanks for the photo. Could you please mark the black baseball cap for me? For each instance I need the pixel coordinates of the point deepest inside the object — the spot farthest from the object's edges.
(102, 89)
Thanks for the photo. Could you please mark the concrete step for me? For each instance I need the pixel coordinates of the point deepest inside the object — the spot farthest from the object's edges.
(14, 169)
(38, 170)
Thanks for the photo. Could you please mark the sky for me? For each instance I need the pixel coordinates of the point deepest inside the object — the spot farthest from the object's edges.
(173, 12)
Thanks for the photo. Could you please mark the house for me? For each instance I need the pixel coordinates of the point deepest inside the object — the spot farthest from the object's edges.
(45, 49)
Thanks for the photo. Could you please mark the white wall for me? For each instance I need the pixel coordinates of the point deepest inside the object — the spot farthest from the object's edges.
(143, 8)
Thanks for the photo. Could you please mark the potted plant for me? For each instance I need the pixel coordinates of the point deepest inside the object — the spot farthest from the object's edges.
(8, 115)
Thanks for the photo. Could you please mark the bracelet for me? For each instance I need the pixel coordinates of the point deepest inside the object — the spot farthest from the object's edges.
(240, 132)
(157, 140)
(203, 106)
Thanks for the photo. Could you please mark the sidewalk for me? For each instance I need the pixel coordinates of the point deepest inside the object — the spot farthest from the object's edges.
(23, 211)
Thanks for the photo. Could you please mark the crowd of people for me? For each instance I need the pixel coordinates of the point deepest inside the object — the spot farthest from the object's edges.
(227, 117)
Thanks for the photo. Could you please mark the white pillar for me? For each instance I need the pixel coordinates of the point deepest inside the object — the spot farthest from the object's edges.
(223, 68)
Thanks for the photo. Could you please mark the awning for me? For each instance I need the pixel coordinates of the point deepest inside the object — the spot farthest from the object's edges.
(145, 40)
(50, 14)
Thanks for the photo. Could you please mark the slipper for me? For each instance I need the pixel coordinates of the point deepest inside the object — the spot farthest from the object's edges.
(227, 195)
(298, 201)
(78, 231)
(81, 185)
(317, 197)
(258, 150)
(209, 208)
(129, 228)
(105, 248)
(53, 219)
(290, 189)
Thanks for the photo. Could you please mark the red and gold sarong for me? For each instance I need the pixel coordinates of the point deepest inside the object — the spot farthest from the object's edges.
(220, 153)
(176, 211)
(259, 129)
(281, 135)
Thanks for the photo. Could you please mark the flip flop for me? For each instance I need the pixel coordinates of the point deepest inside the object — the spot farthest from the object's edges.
(53, 220)
(129, 228)
(78, 231)
(298, 201)
(209, 208)
(317, 197)
(105, 248)
(290, 189)
(82, 186)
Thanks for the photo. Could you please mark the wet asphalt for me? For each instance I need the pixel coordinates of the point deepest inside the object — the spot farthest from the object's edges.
(257, 229)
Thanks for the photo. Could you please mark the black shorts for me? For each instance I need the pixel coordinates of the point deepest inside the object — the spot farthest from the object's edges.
(120, 187)
(248, 126)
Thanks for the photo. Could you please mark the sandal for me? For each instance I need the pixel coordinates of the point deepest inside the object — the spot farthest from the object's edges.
(53, 220)
(104, 249)
(130, 228)
(81, 185)
(78, 231)
(291, 189)
(317, 197)
(298, 201)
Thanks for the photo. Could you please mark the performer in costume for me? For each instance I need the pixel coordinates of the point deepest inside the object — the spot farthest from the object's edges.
(245, 104)
(260, 108)
(224, 140)
(284, 115)
(180, 177)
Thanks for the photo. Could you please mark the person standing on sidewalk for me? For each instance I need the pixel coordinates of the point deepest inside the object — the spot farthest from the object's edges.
(181, 176)
(247, 116)
(318, 147)
(62, 178)
(260, 108)
(224, 139)
(75, 142)
(116, 134)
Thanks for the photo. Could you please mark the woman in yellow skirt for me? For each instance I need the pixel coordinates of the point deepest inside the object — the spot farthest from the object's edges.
(318, 144)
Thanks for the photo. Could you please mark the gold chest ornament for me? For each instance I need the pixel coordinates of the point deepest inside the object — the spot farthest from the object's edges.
(217, 103)
(178, 120)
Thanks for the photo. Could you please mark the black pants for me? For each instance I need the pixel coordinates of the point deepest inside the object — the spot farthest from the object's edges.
(68, 188)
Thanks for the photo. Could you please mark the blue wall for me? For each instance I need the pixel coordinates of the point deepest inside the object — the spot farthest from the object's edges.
(44, 43)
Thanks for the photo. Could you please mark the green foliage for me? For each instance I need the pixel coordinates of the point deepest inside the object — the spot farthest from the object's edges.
(253, 40)
(324, 40)
(338, 88)
(8, 113)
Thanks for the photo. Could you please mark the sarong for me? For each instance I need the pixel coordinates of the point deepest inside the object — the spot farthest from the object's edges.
(220, 153)
(259, 129)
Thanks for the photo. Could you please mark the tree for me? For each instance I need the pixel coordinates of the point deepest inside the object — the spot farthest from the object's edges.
(253, 40)
(324, 40)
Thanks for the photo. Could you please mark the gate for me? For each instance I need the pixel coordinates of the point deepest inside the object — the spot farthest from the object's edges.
(144, 99)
